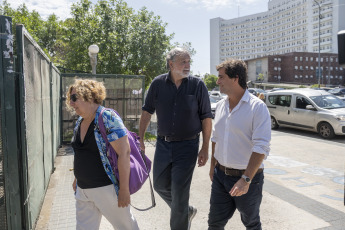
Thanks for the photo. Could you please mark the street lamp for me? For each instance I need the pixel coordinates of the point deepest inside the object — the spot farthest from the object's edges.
(93, 51)
(319, 73)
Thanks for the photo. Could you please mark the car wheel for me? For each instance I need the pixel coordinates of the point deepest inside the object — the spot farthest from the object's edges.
(326, 131)
(274, 124)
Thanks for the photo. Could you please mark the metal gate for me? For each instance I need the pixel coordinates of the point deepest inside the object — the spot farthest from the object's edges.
(125, 94)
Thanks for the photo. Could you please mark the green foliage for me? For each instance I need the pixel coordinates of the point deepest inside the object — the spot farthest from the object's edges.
(210, 81)
(261, 77)
(131, 43)
(314, 86)
(302, 86)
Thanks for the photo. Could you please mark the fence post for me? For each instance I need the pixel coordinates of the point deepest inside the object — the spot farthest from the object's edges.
(11, 149)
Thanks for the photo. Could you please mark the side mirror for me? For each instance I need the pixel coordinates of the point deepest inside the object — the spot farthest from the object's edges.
(310, 107)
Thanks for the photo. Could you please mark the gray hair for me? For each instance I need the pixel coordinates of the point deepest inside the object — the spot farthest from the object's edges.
(177, 51)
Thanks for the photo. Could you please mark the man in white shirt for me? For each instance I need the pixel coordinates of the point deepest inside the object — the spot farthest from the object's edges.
(240, 142)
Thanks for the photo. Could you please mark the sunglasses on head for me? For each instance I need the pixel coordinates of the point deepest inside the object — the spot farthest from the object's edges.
(74, 97)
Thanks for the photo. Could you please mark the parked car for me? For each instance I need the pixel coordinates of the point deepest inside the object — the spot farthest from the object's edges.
(217, 95)
(341, 98)
(256, 91)
(307, 109)
(338, 91)
(322, 88)
(276, 89)
(213, 106)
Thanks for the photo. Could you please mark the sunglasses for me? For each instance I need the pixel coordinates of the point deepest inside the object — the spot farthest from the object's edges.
(74, 97)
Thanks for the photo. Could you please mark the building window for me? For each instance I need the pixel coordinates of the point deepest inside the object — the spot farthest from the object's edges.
(301, 58)
(311, 58)
(296, 58)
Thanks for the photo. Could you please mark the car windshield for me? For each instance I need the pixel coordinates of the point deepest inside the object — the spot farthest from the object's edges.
(260, 90)
(334, 90)
(212, 100)
(328, 102)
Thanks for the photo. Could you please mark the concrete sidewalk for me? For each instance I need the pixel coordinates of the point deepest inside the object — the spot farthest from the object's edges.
(58, 210)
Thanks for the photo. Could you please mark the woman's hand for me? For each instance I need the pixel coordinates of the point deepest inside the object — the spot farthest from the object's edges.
(124, 198)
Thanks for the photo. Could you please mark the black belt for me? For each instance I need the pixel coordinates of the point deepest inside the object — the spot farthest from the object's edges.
(235, 172)
(171, 139)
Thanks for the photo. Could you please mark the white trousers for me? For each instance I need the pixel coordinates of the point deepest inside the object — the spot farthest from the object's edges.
(92, 203)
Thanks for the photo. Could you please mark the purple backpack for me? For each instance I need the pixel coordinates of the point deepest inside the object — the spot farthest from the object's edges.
(140, 164)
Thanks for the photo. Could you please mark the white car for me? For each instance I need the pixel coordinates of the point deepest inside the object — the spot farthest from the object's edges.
(217, 95)
(213, 105)
(307, 109)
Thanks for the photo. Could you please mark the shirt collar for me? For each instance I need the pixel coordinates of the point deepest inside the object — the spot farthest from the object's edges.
(245, 98)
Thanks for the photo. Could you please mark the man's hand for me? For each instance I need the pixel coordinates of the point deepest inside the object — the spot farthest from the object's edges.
(202, 157)
(240, 188)
(74, 185)
(124, 198)
(142, 145)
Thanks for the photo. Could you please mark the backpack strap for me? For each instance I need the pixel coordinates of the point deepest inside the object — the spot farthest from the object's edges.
(104, 135)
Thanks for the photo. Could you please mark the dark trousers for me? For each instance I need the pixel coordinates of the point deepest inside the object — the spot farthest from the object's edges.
(173, 167)
(223, 206)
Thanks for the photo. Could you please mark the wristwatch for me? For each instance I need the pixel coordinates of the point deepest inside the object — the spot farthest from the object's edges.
(246, 179)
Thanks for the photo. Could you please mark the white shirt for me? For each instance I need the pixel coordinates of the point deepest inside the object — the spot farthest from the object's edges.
(246, 129)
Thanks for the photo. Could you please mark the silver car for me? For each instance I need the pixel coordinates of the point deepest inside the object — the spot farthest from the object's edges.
(307, 109)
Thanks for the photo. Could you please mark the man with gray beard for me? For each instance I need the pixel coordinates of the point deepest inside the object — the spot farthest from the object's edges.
(183, 110)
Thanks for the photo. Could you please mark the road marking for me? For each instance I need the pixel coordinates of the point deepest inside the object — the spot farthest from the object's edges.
(319, 171)
(284, 162)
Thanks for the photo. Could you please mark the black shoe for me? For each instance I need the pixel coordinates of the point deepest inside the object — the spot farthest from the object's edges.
(192, 212)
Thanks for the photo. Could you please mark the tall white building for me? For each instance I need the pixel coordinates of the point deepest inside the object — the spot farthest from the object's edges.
(287, 26)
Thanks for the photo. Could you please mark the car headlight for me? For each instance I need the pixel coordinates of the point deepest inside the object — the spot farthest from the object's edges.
(340, 117)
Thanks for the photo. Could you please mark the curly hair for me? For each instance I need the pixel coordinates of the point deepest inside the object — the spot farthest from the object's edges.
(86, 90)
(235, 68)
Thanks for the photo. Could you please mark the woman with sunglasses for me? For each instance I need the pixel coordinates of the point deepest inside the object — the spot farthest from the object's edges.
(95, 186)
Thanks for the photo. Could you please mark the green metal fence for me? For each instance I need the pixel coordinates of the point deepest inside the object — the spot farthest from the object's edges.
(125, 94)
(34, 121)
(10, 186)
(39, 101)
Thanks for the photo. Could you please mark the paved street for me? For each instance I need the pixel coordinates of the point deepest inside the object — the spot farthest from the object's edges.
(304, 189)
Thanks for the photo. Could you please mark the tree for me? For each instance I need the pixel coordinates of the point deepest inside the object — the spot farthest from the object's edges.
(132, 43)
(210, 81)
(261, 77)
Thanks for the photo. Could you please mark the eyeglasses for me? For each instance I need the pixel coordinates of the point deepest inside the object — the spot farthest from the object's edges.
(73, 97)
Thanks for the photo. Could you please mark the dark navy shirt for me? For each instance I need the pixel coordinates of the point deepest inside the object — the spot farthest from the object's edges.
(179, 111)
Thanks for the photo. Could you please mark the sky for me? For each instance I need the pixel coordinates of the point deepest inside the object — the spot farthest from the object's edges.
(189, 20)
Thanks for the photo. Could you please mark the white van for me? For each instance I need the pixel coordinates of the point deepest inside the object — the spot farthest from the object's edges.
(307, 109)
